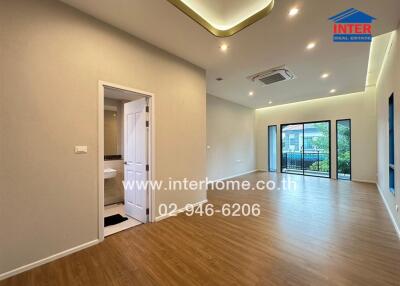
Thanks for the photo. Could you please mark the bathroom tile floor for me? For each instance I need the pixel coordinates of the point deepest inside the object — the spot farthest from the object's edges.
(118, 209)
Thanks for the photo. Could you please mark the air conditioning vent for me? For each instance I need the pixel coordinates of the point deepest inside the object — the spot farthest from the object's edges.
(274, 75)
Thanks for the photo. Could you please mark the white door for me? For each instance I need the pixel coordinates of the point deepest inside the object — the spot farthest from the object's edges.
(135, 159)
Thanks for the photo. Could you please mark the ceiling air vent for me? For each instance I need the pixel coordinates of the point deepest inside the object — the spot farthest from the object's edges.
(273, 75)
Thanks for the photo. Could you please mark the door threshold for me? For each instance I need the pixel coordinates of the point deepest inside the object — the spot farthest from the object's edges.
(118, 209)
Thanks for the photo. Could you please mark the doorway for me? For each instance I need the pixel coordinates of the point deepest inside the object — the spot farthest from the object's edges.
(126, 158)
(305, 148)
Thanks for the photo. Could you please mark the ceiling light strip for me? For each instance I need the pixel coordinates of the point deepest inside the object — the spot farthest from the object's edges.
(218, 32)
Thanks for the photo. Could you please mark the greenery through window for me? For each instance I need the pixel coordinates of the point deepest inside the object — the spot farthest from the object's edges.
(306, 148)
(343, 149)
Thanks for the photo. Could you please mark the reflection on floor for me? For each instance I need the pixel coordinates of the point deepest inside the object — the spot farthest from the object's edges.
(118, 209)
(344, 176)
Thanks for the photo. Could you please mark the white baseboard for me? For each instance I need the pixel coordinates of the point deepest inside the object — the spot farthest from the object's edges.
(161, 217)
(353, 179)
(396, 226)
(363, 181)
(47, 259)
(234, 176)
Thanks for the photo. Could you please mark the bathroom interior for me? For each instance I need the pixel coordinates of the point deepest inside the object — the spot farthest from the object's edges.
(115, 217)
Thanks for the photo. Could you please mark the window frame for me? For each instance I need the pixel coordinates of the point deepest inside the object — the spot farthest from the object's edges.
(281, 126)
(276, 139)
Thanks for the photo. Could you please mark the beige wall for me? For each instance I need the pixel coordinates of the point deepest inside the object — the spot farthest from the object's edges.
(230, 138)
(119, 104)
(389, 83)
(52, 58)
(359, 107)
(112, 133)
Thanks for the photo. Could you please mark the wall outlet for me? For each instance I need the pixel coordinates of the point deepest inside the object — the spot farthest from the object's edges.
(81, 149)
(397, 208)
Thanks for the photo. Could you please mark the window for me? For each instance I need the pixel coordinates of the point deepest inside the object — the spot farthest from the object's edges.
(272, 156)
(343, 149)
(308, 143)
(308, 151)
(391, 144)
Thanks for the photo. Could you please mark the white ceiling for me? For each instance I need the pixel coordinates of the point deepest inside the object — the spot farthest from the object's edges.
(272, 41)
(379, 48)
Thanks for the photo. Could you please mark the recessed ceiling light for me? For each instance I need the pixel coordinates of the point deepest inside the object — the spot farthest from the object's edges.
(311, 46)
(325, 75)
(270, 102)
(293, 12)
(332, 90)
(251, 93)
(223, 47)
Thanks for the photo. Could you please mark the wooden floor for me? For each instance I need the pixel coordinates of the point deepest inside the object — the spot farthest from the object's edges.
(324, 233)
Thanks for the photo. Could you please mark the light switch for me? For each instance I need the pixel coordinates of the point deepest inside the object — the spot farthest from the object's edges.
(80, 149)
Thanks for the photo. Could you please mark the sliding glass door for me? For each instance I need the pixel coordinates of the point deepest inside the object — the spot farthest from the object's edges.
(292, 148)
(272, 148)
(343, 149)
(305, 148)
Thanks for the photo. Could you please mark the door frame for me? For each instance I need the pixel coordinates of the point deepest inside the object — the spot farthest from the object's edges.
(330, 146)
(151, 151)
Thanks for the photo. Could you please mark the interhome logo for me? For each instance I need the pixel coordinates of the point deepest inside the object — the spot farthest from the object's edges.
(352, 26)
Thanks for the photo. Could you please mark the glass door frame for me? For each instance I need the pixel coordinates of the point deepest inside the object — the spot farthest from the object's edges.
(268, 150)
(337, 149)
(282, 126)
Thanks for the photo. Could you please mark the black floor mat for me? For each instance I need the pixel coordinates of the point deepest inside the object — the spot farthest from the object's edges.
(114, 219)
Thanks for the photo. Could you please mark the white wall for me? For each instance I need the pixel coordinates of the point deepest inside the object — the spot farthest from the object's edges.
(359, 107)
(230, 136)
(388, 83)
(52, 58)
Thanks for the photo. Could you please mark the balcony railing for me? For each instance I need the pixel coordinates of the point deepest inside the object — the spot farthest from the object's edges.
(293, 161)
